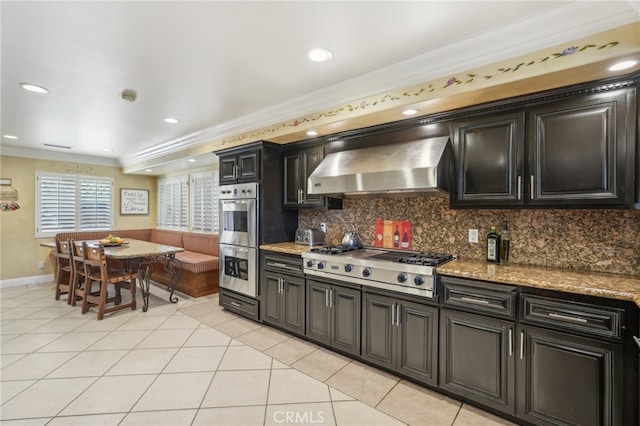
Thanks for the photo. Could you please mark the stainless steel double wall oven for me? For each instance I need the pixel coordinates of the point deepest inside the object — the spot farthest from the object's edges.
(239, 238)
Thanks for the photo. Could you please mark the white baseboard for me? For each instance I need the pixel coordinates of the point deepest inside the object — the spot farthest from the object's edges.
(36, 279)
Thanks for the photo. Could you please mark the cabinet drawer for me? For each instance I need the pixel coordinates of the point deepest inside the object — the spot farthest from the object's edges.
(285, 264)
(479, 297)
(573, 316)
(239, 304)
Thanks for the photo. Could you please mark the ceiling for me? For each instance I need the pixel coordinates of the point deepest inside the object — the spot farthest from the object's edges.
(224, 68)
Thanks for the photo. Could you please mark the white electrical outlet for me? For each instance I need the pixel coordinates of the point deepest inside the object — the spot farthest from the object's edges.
(41, 264)
(323, 227)
(473, 235)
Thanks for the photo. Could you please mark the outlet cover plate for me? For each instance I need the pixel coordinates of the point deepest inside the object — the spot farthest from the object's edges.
(473, 235)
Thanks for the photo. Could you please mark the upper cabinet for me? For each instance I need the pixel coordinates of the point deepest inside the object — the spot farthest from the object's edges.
(579, 148)
(489, 160)
(240, 167)
(298, 166)
(574, 152)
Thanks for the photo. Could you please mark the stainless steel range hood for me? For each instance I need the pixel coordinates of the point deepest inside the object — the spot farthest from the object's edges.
(405, 169)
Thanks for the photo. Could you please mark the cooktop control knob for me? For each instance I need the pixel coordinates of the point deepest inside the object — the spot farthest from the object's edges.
(402, 277)
(320, 265)
(309, 263)
(348, 268)
(419, 280)
(366, 272)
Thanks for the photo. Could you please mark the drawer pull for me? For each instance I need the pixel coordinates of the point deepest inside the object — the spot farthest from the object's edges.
(567, 318)
(236, 304)
(472, 300)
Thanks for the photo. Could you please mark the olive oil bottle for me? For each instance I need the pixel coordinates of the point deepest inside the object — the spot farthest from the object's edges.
(493, 246)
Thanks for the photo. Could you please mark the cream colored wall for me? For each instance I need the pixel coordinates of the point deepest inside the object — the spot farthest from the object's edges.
(20, 251)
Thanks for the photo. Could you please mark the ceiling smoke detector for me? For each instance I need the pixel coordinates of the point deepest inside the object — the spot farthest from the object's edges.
(129, 95)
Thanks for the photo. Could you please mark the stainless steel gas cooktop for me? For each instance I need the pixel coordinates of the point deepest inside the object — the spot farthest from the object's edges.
(403, 271)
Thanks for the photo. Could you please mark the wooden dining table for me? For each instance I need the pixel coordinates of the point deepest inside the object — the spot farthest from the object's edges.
(142, 255)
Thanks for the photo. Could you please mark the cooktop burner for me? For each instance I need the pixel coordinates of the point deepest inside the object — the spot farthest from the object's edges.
(335, 249)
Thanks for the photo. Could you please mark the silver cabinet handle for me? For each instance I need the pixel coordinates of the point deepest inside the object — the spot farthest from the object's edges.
(568, 318)
(393, 314)
(510, 342)
(519, 189)
(532, 193)
(398, 315)
(522, 345)
(474, 300)
(302, 196)
(236, 304)
(331, 295)
(326, 297)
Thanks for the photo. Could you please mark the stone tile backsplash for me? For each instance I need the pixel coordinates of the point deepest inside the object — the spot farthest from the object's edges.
(585, 239)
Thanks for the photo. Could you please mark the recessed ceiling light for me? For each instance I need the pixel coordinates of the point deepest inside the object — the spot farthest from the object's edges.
(107, 149)
(148, 170)
(319, 55)
(9, 137)
(171, 120)
(619, 66)
(410, 111)
(191, 160)
(312, 133)
(34, 88)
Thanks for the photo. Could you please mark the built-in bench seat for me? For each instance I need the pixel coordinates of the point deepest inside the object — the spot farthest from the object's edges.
(200, 261)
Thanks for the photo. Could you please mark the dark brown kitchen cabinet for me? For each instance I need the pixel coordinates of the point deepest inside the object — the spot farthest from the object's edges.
(240, 167)
(283, 301)
(333, 316)
(298, 166)
(401, 335)
(477, 358)
(489, 152)
(580, 150)
(566, 379)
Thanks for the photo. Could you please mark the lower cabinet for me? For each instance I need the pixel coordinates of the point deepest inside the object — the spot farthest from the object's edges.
(477, 358)
(400, 335)
(283, 301)
(333, 316)
(565, 379)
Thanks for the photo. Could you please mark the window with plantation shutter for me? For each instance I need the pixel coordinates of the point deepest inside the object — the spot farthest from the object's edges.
(204, 202)
(72, 203)
(173, 203)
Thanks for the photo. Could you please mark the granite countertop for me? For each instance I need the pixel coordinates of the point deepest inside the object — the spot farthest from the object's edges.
(288, 248)
(612, 286)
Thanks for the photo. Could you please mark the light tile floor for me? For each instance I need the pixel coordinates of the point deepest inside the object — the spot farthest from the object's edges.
(190, 363)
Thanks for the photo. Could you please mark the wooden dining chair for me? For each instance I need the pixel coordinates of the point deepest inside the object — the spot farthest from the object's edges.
(96, 270)
(78, 278)
(64, 270)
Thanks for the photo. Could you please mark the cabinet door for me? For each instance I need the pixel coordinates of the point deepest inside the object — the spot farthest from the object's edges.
(272, 299)
(292, 179)
(418, 342)
(293, 303)
(563, 379)
(345, 315)
(378, 335)
(227, 169)
(489, 161)
(249, 166)
(318, 319)
(310, 158)
(477, 359)
(577, 151)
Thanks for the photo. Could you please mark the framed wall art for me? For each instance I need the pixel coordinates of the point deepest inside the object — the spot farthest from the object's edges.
(134, 201)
